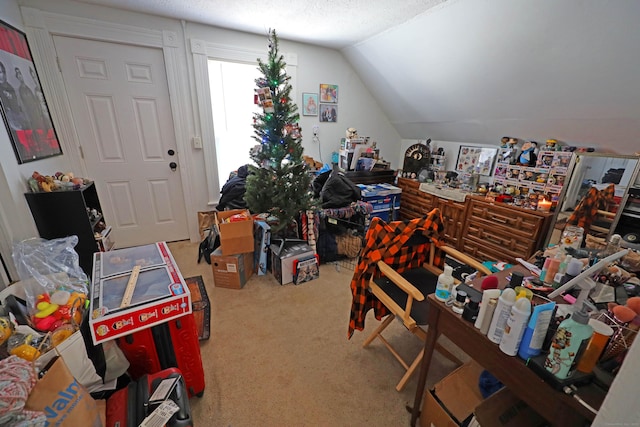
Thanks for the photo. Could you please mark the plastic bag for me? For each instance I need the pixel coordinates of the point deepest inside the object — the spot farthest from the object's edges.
(48, 266)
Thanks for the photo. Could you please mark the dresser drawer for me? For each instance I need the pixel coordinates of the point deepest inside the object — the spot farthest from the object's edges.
(510, 220)
(489, 251)
(500, 239)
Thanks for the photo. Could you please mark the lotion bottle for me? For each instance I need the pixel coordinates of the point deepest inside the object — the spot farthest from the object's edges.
(503, 310)
(536, 330)
(488, 315)
(516, 324)
(487, 295)
(568, 344)
(445, 283)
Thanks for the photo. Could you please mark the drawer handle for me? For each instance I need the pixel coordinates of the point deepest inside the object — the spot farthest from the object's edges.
(501, 221)
(497, 242)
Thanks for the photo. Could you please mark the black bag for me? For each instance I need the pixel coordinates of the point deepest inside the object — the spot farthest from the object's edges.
(208, 245)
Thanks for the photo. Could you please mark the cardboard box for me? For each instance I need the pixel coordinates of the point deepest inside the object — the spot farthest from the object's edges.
(235, 237)
(283, 256)
(453, 399)
(505, 409)
(231, 271)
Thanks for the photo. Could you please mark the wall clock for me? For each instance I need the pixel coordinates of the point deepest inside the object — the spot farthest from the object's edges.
(416, 157)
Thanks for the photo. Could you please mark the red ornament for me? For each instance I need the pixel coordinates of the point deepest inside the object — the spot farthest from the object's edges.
(283, 100)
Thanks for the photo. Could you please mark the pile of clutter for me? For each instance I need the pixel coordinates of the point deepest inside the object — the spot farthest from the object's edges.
(60, 181)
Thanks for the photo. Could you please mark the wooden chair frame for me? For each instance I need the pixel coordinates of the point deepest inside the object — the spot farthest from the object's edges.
(404, 313)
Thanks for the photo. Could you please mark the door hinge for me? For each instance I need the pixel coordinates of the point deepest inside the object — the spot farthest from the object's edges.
(58, 62)
(81, 151)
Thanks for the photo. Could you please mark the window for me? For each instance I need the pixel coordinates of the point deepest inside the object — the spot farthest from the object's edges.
(232, 100)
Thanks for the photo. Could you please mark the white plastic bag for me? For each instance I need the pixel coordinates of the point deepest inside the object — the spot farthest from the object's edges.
(39, 263)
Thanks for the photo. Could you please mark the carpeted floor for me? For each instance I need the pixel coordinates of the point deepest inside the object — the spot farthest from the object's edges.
(279, 355)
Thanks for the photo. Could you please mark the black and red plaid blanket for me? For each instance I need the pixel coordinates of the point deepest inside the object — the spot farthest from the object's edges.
(388, 242)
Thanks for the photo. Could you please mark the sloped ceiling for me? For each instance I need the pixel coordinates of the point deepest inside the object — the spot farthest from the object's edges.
(474, 71)
(468, 70)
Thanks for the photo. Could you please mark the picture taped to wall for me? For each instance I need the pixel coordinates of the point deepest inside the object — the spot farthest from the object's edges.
(309, 104)
(22, 102)
(478, 160)
(328, 113)
(329, 93)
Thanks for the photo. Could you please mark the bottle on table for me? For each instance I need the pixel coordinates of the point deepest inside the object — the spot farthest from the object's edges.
(568, 344)
(445, 284)
(503, 310)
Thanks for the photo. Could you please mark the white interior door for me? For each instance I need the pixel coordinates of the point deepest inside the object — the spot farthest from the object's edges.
(120, 104)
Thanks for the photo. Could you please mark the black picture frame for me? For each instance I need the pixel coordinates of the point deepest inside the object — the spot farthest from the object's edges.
(22, 102)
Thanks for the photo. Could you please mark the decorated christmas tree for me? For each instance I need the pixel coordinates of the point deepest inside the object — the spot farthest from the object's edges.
(279, 182)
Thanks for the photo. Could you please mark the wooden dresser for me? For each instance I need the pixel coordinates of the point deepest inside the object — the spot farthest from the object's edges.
(415, 203)
(482, 229)
(502, 232)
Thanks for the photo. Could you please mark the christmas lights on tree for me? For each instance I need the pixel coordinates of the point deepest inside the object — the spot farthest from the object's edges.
(279, 182)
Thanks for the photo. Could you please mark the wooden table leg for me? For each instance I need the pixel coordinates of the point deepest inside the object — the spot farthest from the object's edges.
(429, 346)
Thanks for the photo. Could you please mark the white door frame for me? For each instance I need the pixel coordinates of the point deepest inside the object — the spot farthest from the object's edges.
(203, 51)
(41, 26)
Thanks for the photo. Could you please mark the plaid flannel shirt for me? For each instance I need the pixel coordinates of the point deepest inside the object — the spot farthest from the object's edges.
(587, 210)
(387, 242)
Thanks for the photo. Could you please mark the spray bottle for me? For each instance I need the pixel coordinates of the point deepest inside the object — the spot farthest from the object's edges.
(516, 324)
(503, 310)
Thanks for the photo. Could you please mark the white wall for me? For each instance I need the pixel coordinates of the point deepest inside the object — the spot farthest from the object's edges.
(315, 65)
(475, 71)
(16, 222)
(357, 107)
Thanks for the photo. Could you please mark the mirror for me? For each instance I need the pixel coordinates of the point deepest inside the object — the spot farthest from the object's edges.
(597, 172)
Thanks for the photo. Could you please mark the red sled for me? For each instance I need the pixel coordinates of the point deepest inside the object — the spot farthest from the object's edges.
(173, 344)
(129, 406)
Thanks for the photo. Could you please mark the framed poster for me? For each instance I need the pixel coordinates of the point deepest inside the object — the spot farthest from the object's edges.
(329, 93)
(478, 160)
(22, 102)
(309, 104)
(328, 113)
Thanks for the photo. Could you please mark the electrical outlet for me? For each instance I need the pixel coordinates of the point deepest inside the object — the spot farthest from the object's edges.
(316, 129)
(197, 142)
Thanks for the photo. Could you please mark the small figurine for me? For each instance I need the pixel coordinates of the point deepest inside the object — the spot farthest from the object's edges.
(551, 145)
(528, 155)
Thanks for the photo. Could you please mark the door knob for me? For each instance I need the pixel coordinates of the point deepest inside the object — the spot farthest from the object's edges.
(171, 152)
(173, 166)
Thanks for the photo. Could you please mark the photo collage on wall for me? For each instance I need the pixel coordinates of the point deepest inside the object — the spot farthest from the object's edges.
(323, 104)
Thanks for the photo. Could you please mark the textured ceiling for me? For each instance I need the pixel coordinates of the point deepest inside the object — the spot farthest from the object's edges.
(330, 23)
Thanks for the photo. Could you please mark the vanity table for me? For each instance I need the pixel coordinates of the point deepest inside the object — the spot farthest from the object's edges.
(556, 407)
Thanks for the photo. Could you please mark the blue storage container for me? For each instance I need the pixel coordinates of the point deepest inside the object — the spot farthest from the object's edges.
(385, 199)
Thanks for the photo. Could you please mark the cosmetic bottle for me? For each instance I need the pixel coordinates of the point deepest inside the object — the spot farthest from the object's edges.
(536, 330)
(516, 324)
(552, 269)
(500, 316)
(458, 303)
(487, 295)
(445, 283)
(516, 279)
(568, 344)
(488, 315)
(471, 310)
(545, 268)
